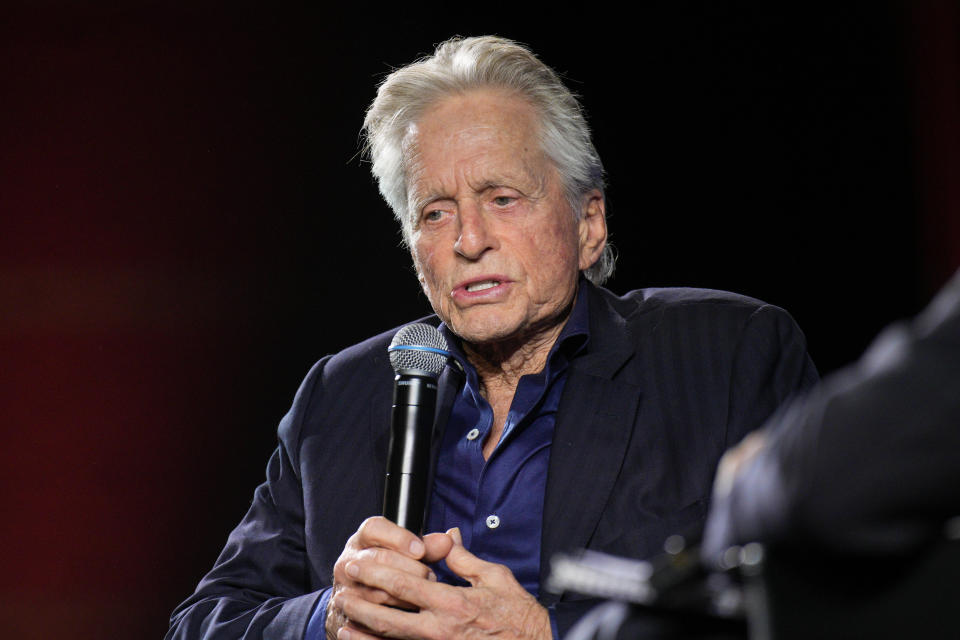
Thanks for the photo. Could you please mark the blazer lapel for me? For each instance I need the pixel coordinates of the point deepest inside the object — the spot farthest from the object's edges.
(594, 426)
(448, 385)
(380, 416)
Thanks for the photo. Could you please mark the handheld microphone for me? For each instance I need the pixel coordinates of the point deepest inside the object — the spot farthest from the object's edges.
(418, 354)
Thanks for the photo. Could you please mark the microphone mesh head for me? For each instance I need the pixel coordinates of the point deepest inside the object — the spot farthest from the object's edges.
(414, 342)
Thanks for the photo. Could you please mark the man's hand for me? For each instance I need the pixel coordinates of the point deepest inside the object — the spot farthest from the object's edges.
(494, 605)
(736, 459)
(381, 543)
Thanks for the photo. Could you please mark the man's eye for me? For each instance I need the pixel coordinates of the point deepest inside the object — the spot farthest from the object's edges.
(433, 216)
(502, 201)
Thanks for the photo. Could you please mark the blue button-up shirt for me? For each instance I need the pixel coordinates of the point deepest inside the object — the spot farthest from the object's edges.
(498, 503)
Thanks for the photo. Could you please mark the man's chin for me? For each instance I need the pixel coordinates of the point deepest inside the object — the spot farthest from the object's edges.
(484, 336)
(484, 327)
(498, 329)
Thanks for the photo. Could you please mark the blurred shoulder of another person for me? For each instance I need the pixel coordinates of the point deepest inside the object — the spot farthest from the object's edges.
(868, 462)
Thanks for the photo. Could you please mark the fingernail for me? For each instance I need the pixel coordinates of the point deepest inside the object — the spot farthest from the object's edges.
(352, 570)
(432, 577)
(343, 634)
(417, 548)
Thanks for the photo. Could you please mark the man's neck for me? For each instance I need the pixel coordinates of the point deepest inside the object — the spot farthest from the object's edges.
(501, 365)
(499, 369)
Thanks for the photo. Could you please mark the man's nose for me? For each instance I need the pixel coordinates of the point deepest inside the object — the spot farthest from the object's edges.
(476, 236)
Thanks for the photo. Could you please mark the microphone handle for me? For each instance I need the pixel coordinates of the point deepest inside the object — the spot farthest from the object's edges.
(408, 458)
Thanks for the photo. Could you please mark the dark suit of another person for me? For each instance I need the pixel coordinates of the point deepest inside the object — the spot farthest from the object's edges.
(670, 379)
(869, 462)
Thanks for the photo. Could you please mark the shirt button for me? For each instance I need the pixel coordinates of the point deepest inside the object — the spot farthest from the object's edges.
(493, 522)
(473, 433)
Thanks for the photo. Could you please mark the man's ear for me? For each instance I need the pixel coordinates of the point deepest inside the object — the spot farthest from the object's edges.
(592, 228)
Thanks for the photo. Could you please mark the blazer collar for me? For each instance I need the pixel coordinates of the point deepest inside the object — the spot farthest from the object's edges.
(611, 345)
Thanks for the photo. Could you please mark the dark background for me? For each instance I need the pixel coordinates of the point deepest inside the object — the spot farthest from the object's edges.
(185, 223)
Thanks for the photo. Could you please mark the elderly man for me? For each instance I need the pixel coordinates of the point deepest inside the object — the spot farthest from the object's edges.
(580, 419)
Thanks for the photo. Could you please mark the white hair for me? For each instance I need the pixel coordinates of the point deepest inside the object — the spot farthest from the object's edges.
(462, 64)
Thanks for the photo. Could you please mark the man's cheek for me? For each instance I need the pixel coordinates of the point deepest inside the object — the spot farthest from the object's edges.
(421, 259)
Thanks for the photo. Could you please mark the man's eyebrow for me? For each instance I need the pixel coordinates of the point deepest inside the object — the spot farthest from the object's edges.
(427, 198)
(433, 196)
(492, 182)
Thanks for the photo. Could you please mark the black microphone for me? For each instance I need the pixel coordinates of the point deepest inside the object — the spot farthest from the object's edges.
(418, 354)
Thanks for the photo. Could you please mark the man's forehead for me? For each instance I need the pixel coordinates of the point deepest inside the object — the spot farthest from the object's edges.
(477, 109)
(483, 137)
(429, 179)
(422, 138)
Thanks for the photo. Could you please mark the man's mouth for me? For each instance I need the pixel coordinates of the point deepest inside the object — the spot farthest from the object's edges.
(480, 286)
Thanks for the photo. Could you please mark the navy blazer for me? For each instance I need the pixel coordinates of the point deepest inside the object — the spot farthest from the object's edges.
(670, 379)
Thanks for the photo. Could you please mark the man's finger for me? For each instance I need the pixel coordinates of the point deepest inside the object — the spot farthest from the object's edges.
(474, 570)
(396, 560)
(377, 596)
(355, 633)
(400, 585)
(454, 533)
(380, 532)
(375, 619)
(437, 545)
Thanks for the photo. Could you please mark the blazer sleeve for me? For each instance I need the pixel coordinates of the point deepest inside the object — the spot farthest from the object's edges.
(259, 586)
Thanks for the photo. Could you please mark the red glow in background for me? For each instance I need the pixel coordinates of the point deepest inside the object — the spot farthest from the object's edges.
(185, 227)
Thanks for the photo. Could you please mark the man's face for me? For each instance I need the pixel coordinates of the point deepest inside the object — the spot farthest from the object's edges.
(495, 243)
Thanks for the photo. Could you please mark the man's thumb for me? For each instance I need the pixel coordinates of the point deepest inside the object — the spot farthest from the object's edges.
(455, 534)
(462, 562)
